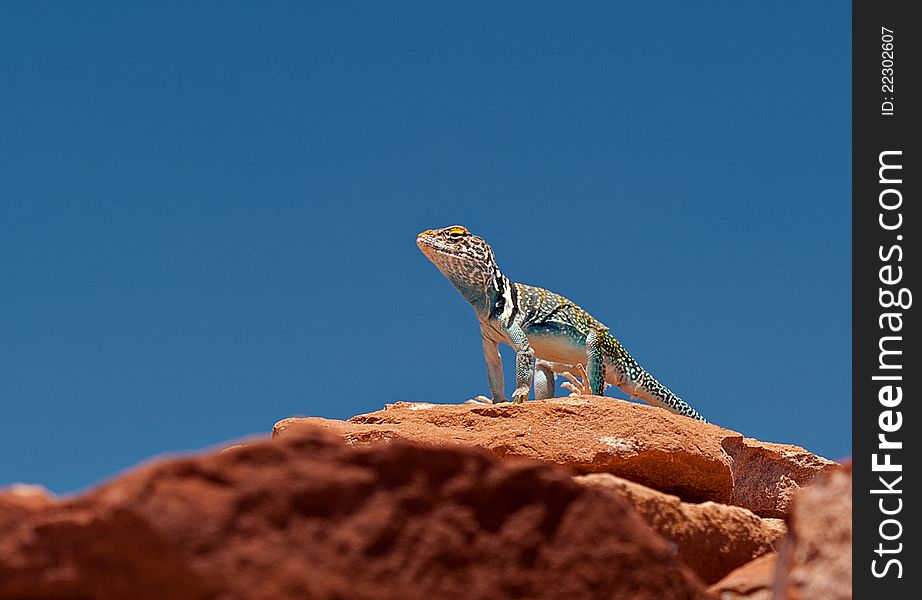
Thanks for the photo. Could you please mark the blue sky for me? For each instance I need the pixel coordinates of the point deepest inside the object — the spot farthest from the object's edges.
(208, 212)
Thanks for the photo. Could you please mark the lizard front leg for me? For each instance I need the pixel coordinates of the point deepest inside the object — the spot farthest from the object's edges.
(524, 363)
(494, 370)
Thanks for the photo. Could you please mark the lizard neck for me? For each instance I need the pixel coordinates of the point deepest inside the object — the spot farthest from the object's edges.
(475, 275)
(484, 292)
(481, 296)
(478, 296)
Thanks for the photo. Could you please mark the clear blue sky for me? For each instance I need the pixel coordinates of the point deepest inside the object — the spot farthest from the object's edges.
(208, 212)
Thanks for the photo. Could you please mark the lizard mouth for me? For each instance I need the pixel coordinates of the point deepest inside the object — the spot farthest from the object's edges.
(446, 258)
(427, 244)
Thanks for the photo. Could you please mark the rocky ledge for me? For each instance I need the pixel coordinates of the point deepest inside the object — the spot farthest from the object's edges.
(566, 498)
(589, 434)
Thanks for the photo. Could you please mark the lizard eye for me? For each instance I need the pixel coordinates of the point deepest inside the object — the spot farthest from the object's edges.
(456, 231)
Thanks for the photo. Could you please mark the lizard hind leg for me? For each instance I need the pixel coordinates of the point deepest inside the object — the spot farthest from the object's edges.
(595, 364)
(544, 380)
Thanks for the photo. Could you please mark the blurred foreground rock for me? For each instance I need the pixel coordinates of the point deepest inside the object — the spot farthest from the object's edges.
(815, 560)
(311, 517)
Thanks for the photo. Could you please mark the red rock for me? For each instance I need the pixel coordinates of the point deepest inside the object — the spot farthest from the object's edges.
(712, 539)
(752, 581)
(766, 475)
(24, 497)
(690, 459)
(19, 501)
(815, 560)
(310, 517)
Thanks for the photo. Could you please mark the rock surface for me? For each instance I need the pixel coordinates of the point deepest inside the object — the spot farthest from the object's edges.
(713, 539)
(815, 557)
(589, 434)
(20, 501)
(766, 475)
(815, 560)
(752, 581)
(308, 516)
(647, 505)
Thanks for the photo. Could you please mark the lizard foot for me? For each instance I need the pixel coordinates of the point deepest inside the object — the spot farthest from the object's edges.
(520, 395)
(479, 400)
(578, 385)
(484, 400)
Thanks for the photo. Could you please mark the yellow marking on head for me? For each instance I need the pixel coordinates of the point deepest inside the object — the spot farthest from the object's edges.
(457, 230)
(427, 232)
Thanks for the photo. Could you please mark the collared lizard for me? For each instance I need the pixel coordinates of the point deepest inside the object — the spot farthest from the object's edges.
(549, 333)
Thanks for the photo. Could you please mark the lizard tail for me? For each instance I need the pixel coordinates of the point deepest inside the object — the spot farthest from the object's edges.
(638, 383)
(657, 394)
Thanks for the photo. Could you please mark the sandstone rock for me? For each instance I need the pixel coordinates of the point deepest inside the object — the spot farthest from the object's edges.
(712, 539)
(19, 501)
(766, 475)
(25, 497)
(815, 560)
(752, 581)
(589, 434)
(311, 517)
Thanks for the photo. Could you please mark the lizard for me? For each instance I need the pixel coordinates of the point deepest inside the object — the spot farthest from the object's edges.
(550, 334)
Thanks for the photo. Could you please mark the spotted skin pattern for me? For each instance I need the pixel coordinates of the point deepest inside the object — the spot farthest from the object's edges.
(549, 333)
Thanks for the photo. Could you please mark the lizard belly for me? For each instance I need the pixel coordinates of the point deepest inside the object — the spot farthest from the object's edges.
(558, 349)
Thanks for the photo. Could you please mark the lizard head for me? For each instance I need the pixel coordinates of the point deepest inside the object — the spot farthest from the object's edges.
(465, 259)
